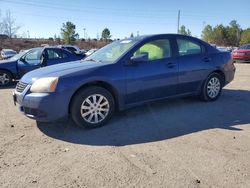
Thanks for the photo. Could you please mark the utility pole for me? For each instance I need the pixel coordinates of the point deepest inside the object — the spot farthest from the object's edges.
(178, 24)
(84, 29)
(28, 33)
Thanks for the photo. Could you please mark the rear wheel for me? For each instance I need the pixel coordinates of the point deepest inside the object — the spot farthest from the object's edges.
(92, 107)
(212, 87)
(5, 78)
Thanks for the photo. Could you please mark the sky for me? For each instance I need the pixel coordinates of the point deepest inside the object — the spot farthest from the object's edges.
(44, 18)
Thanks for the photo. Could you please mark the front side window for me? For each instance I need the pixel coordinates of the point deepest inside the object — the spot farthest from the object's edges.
(157, 49)
(187, 47)
(34, 55)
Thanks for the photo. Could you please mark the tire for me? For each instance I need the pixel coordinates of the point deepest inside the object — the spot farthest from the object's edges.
(92, 107)
(211, 89)
(6, 78)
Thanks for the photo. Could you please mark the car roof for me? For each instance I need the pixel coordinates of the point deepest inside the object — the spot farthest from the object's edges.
(67, 45)
(144, 37)
(46, 47)
(7, 50)
(158, 35)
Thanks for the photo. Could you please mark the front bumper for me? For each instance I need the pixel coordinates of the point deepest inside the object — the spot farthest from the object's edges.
(241, 60)
(44, 107)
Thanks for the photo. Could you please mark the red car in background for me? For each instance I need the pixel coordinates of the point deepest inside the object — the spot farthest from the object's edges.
(242, 54)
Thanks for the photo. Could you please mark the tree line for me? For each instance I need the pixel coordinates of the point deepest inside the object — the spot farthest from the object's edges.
(230, 35)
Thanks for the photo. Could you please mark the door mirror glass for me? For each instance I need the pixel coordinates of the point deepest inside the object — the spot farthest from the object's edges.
(143, 57)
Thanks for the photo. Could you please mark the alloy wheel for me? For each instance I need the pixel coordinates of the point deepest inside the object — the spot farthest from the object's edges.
(95, 108)
(4, 79)
(213, 87)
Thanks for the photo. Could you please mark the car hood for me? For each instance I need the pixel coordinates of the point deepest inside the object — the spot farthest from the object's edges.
(7, 61)
(59, 70)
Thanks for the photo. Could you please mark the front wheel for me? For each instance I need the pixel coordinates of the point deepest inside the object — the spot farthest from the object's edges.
(212, 87)
(92, 107)
(5, 78)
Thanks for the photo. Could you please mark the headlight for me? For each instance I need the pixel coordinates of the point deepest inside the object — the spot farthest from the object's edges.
(44, 85)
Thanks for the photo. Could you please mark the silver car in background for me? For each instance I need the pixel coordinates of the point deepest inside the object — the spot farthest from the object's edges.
(7, 53)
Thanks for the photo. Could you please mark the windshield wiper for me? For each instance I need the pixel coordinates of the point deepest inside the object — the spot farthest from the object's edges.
(99, 61)
(90, 60)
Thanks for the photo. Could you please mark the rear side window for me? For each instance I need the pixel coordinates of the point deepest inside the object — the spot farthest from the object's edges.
(62, 53)
(71, 49)
(157, 49)
(56, 54)
(187, 47)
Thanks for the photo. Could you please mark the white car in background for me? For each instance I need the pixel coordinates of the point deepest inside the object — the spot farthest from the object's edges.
(7, 53)
(73, 49)
(223, 49)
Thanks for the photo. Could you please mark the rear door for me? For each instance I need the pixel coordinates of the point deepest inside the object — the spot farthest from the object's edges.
(155, 78)
(194, 65)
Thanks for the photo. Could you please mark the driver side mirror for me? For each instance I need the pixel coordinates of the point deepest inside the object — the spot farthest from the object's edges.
(143, 57)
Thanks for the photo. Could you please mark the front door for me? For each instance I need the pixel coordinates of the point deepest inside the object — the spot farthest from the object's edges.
(29, 62)
(155, 78)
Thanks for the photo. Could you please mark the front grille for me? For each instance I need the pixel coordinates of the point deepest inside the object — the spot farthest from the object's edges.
(20, 87)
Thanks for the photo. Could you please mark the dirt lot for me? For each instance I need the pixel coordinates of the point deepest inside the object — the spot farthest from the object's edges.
(177, 143)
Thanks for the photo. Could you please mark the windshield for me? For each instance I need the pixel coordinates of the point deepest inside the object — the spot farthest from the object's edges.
(111, 52)
(9, 52)
(18, 56)
(245, 47)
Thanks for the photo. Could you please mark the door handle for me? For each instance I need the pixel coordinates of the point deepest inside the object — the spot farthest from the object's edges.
(171, 65)
(206, 59)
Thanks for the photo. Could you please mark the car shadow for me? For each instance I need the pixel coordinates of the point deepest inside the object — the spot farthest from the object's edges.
(159, 121)
(12, 86)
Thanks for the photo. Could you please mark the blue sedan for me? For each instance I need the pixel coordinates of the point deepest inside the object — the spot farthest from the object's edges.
(28, 60)
(124, 74)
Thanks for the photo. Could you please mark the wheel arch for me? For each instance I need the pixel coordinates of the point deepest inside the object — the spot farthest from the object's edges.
(217, 71)
(9, 71)
(222, 74)
(102, 84)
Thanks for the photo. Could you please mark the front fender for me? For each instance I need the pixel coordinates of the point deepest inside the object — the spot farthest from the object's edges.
(11, 67)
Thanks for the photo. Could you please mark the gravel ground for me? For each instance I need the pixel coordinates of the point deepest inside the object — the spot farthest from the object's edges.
(177, 143)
